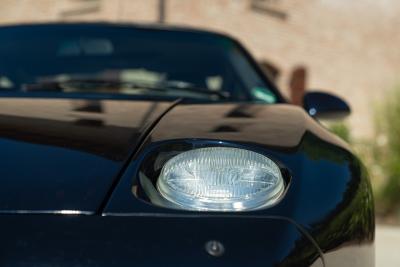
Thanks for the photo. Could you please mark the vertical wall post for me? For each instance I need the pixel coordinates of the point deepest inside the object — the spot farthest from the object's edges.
(161, 11)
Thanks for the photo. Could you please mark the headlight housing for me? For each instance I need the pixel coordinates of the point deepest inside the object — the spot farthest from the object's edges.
(220, 179)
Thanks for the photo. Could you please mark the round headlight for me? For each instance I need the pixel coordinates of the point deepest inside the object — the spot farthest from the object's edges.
(220, 179)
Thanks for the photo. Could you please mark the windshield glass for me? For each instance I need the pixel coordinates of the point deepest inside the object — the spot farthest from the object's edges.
(127, 60)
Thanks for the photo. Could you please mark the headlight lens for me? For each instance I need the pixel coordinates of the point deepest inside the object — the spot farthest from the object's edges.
(220, 179)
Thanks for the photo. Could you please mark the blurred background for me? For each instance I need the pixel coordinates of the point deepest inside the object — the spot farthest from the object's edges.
(349, 48)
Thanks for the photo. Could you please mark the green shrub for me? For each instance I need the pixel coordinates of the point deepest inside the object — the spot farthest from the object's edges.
(386, 151)
(341, 129)
(381, 155)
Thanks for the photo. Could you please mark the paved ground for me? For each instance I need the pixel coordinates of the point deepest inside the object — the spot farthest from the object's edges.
(387, 246)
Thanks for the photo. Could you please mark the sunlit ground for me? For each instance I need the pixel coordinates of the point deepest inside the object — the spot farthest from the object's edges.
(387, 246)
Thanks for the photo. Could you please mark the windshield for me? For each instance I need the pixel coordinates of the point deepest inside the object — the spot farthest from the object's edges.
(106, 59)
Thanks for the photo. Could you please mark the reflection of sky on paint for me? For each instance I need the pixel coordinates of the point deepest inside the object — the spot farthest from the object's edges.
(44, 177)
(331, 176)
(322, 193)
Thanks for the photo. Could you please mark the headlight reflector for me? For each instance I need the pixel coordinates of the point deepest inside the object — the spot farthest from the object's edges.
(220, 179)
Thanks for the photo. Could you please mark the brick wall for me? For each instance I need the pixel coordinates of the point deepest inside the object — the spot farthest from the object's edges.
(347, 47)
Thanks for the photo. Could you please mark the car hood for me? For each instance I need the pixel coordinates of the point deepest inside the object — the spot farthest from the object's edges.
(63, 155)
(66, 155)
(277, 126)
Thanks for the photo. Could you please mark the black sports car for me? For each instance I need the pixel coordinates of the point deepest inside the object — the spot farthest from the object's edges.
(147, 146)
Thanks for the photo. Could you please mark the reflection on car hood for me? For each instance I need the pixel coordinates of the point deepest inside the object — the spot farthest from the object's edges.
(279, 125)
(64, 154)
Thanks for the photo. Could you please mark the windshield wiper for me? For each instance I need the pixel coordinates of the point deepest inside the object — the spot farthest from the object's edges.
(195, 89)
(93, 84)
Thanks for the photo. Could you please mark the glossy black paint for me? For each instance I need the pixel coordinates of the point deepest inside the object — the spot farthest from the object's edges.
(63, 155)
(325, 106)
(329, 193)
(82, 156)
(43, 240)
